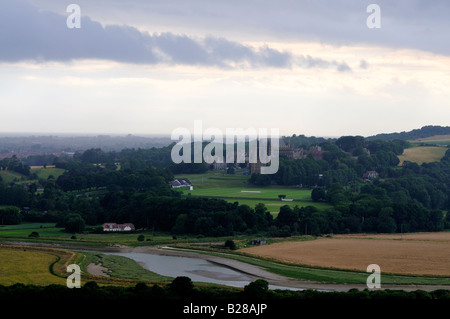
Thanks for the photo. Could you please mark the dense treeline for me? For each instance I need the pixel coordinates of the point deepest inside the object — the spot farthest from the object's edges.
(96, 187)
(426, 131)
(344, 161)
(138, 195)
(182, 288)
(15, 165)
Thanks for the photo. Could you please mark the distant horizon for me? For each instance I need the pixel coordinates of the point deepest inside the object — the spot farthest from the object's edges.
(168, 135)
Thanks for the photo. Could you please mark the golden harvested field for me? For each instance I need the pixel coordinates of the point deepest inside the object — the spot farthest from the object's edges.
(422, 154)
(417, 254)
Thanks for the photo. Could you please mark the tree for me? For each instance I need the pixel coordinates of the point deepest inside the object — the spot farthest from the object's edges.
(10, 215)
(180, 226)
(385, 221)
(318, 194)
(74, 223)
(281, 197)
(286, 216)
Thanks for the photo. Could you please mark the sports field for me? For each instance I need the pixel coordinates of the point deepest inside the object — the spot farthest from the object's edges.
(412, 254)
(235, 188)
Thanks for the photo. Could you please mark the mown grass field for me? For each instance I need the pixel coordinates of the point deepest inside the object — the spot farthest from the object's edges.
(422, 154)
(45, 173)
(235, 188)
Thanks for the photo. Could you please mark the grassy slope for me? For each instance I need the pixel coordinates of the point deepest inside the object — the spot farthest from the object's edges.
(9, 177)
(422, 154)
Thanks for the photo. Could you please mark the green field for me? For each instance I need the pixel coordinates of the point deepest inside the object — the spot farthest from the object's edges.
(42, 173)
(235, 188)
(45, 173)
(48, 233)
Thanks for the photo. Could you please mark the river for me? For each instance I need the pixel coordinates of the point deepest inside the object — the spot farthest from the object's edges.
(198, 269)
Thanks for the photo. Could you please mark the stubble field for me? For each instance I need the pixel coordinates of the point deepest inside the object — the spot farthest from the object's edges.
(413, 254)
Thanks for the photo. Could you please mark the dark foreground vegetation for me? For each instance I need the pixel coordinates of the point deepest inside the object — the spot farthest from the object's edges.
(182, 288)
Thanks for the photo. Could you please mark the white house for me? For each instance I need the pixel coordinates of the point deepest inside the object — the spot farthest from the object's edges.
(118, 227)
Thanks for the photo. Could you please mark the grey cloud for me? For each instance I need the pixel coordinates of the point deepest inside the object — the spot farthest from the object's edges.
(311, 62)
(416, 24)
(29, 34)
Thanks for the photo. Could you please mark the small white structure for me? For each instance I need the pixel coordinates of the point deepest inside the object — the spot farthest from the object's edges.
(118, 227)
(181, 182)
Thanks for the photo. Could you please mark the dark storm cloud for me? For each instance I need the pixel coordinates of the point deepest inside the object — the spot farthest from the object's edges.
(29, 34)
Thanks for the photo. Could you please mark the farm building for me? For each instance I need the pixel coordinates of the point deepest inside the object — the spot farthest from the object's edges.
(118, 227)
(258, 242)
(180, 182)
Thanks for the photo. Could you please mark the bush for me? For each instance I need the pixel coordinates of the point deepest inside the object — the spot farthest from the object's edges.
(230, 244)
(34, 234)
(141, 238)
(182, 285)
(257, 289)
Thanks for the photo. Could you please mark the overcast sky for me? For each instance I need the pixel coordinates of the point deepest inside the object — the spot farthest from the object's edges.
(148, 67)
